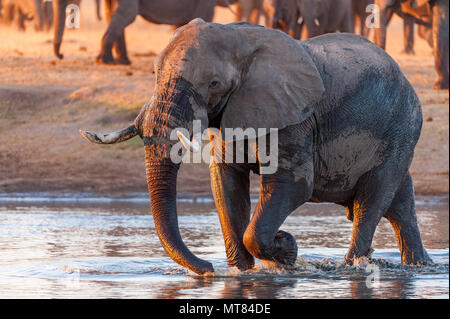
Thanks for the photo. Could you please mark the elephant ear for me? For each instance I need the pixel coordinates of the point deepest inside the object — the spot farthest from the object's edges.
(280, 83)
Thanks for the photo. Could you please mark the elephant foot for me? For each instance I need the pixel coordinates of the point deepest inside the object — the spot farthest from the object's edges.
(243, 264)
(416, 259)
(286, 248)
(408, 52)
(441, 85)
(280, 251)
(352, 256)
(122, 60)
(104, 59)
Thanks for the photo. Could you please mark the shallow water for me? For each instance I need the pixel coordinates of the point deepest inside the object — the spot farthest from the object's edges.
(89, 247)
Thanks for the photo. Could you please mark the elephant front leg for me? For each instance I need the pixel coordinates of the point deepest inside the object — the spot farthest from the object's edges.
(281, 193)
(232, 196)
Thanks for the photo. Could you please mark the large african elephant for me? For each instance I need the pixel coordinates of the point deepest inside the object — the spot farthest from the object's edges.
(124, 12)
(341, 115)
(318, 16)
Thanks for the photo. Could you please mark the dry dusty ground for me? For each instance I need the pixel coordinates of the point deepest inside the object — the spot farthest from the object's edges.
(43, 103)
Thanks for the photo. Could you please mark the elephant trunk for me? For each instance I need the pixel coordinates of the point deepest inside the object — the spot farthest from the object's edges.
(60, 20)
(161, 180)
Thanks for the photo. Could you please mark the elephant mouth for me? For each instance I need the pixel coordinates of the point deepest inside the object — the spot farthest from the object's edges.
(215, 115)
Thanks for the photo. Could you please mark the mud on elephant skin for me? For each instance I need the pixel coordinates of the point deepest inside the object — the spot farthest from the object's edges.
(348, 122)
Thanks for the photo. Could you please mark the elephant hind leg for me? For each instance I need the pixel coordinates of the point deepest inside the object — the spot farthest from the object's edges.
(375, 192)
(402, 216)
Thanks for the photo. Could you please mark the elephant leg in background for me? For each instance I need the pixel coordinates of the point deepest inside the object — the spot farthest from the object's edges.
(346, 24)
(426, 33)
(441, 43)
(230, 187)
(123, 16)
(48, 15)
(380, 33)
(296, 31)
(20, 18)
(281, 193)
(246, 9)
(408, 35)
(402, 216)
(120, 49)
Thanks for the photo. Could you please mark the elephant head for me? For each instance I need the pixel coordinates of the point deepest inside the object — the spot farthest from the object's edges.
(284, 13)
(225, 76)
(312, 12)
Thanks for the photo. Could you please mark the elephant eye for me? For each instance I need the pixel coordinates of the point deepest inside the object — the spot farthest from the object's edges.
(214, 84)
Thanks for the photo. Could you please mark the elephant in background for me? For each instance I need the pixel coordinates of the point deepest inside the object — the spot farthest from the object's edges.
(287, 17)
(20, 11)
(121, 13)
(48, 11)
(318, 16)
(248, 10)
(360, 15)
(387, 8)
(347, 122)
(432, 16)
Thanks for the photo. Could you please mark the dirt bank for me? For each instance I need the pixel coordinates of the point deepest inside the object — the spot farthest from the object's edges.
(43, 103)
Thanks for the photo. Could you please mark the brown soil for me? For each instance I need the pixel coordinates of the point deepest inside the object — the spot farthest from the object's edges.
(44, 101)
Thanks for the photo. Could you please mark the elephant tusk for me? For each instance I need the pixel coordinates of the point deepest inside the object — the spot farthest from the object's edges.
(300, 20)
(110, 138)
(192, 146)
(316, 22)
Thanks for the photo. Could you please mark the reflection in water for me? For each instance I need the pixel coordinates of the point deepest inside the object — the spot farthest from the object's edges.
(112, 250)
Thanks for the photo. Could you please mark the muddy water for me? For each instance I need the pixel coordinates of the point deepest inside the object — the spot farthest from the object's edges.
(85, 247)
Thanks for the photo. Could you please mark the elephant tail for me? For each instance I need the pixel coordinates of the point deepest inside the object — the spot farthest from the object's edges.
(111, 138)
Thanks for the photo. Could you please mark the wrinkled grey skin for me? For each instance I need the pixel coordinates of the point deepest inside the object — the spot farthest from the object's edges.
(121, 13)
(348, 123)
(360, 14)
(333, 15)
(247, 10)
(286, 17)
(22, 11)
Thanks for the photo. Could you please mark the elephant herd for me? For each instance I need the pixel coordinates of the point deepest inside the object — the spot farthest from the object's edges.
(291, 16)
